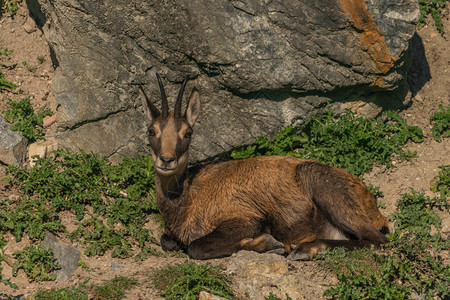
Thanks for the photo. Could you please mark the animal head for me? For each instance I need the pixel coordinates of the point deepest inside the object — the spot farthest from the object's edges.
(169, 132)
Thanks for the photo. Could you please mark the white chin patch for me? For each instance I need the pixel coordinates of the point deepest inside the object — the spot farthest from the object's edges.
(165, 172)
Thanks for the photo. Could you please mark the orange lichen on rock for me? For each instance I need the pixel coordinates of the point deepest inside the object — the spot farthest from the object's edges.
(379, 82)
(371, 39)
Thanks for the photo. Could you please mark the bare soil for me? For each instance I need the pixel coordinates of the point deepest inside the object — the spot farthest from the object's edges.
(430, 86)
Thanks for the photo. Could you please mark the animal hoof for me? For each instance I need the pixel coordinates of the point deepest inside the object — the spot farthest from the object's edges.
(279, 251)
(169, 244)
(298, 255)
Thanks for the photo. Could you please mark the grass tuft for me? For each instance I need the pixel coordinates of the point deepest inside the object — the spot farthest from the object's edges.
(433, 8)
(4, 84)
(114, 289)
(37, 262)
(25, 119)
(73, 293)
(443, 184)
(187, 280)
(441, 123)
(9, 6)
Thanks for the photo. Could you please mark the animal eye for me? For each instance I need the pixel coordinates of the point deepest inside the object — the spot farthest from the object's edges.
(151, 132)
(188, 134)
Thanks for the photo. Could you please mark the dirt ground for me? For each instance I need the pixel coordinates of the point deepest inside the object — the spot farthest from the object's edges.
(29, 67)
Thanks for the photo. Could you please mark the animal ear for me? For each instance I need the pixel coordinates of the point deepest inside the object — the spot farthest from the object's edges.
(150, 109)
(193, 107)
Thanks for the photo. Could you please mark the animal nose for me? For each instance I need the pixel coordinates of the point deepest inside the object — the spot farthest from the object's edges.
(167, 159)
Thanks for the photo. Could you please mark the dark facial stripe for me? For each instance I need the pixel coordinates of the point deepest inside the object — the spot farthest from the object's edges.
(172, 134)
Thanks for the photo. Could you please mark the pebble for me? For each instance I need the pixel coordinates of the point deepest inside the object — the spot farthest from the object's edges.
(29, 26)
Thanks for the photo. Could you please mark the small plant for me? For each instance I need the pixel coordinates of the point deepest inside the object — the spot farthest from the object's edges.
(37, 262)
(114, 289)
(9, 6)
(355, 144)
(441, 123)
(6, 52)
(29, 67)
(83, 265)
(4, 84)
(25, 119)
(443, 184)
(273, 297)
(433, 8)
(41, 59)
(74, 293)
(187, 280)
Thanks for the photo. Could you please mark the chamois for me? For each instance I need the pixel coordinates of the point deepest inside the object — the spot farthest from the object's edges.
(275, 203)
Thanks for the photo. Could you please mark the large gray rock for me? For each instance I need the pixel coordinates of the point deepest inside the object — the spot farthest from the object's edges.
(13, 145)
(259, 65)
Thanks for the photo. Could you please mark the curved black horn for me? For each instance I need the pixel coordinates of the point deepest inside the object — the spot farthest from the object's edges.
(164, 104)
(177, 111)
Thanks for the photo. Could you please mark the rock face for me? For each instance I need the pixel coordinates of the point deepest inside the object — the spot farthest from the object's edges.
(13, 146)
(259, 65)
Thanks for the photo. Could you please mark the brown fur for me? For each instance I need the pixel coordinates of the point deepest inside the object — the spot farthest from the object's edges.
(260, 204)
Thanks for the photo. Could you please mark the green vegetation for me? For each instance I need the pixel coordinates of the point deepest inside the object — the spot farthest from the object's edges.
(273, 297)
(443, 184)
(25, 119)
(441, 123)
(110, 202)
(4, 84)
(30, 217)
(408, 265)
(433, 8)
(29, 67)
(6, 52)
(186, 281)
(114, 289)
(74, 293)
(9, 6)
(346, 142)
(37, 262)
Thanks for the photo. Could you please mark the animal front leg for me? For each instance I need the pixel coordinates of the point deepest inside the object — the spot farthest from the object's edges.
(226, 240)
(169, 243)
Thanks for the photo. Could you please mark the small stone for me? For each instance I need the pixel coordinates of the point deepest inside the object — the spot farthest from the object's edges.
(49, 120)
(115, 267)
(13, 197)
(30, 26)
(13, 144)
(207, 296)
(36, 149)
(66, 255)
